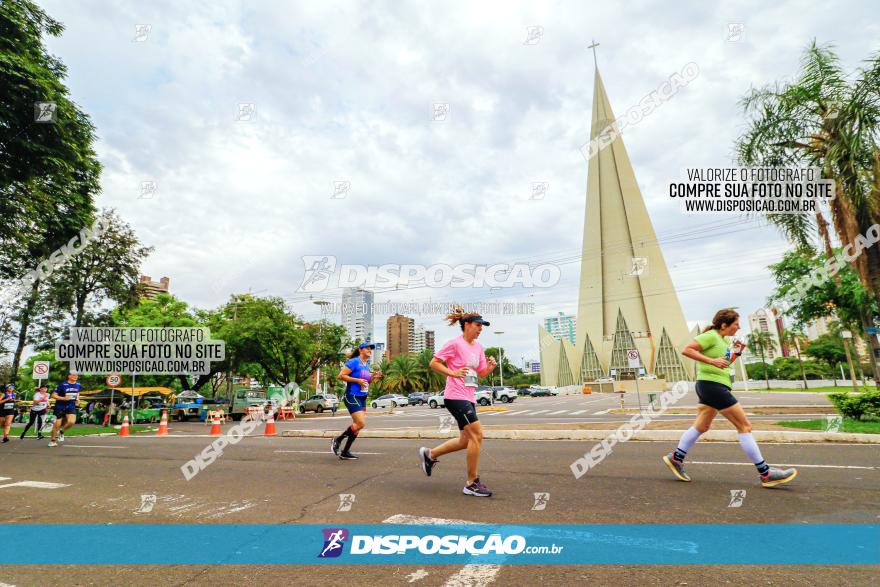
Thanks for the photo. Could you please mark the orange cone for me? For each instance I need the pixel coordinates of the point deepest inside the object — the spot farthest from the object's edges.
(270, 426)
(123, 430)
(215, 426)
(163, 424)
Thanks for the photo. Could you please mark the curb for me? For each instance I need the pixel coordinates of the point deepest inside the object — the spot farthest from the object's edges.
(645, 435)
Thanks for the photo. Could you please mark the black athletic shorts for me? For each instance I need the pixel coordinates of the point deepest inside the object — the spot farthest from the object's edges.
(715, 395)
(7, 409)
(463, 411)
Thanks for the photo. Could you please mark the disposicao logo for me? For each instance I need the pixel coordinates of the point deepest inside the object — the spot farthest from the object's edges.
(334, 540)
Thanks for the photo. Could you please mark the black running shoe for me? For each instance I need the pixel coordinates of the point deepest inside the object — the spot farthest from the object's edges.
(21, 437)
(334, 446)
(5, 439)
(347, 456)
(426, 461)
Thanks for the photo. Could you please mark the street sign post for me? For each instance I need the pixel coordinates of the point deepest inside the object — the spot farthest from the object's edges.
(632, 359)
(114, 380)
(40, 372)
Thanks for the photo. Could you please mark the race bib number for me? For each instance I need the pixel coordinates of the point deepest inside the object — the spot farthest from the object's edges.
(365, 388)
(71, 395)
(40, 406)
(470, 379)
(8, 406)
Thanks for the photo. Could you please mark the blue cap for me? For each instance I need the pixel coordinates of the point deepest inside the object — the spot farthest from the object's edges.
(367, 345)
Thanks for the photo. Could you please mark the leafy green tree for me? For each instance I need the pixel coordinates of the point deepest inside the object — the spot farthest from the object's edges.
(760, 371)
(49, 173)
(828, 348)
(431, 380)
(792, 339)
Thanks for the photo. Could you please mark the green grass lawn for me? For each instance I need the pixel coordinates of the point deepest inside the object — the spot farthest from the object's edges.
(848, 425)
(822, 389)
(77, 430)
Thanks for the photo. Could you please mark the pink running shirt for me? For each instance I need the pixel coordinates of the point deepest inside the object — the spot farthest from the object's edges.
(457, 353)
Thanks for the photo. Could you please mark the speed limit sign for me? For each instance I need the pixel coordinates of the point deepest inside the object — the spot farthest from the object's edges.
(113, 380)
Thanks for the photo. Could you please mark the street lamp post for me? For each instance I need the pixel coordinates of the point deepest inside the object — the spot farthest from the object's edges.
(501, 358)
(322, 304)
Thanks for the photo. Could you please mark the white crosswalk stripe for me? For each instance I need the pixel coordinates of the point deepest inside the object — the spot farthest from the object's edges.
(557, 413)
(579, 412)
(539, 412)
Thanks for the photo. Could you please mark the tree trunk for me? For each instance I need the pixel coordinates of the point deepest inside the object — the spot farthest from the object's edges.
(797, 350)
(766, 369)
(24, 322)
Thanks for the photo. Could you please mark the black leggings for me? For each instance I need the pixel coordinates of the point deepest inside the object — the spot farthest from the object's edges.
(37, 417)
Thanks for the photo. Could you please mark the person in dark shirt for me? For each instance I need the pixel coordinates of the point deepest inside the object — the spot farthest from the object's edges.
(7, 409)
(65, 396)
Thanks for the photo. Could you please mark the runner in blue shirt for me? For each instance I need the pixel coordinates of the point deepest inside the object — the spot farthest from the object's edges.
(7, 409)
(356, 375)
(65, 396)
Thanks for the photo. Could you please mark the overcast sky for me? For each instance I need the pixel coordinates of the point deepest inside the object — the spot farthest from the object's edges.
(346, 92)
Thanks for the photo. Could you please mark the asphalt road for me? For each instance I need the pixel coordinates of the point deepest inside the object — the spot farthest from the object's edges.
(289, 481)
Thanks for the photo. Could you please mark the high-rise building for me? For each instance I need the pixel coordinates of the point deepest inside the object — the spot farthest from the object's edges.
(357, 313)
(533, 367)
(764, 320)
(150, 289)
(429, 340)
(421, 339)
(816, 328)
(399, 331)
(627, 300)
(561, 326)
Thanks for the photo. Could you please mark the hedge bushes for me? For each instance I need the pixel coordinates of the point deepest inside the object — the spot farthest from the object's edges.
(866, 403)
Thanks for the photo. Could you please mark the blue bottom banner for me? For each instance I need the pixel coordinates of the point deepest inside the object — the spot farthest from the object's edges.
(391, 544)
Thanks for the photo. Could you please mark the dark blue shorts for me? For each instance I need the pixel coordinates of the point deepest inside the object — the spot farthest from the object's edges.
(715, 395)
(355, 403)
(61, 411)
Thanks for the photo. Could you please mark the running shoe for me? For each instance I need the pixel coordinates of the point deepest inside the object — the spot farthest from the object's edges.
(53, 443)
(778, 477)
(476, 489)
(60, 438)
(5, 439)
(426, 461)
(675, 467)
(334, 446)
(347, 456)
(40, 437)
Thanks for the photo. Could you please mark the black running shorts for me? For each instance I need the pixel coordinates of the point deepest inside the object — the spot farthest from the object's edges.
(715, 395)
(462, 410)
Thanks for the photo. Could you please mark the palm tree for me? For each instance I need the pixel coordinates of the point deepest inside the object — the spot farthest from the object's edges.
(379, 384)
(762, 341)
(431, 380)
(793, 338)
(823, 120)
(402, 374)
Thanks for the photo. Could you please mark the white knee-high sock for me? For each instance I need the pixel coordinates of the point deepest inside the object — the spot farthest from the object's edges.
(750, 447)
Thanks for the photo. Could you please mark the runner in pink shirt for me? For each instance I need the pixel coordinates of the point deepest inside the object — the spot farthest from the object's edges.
(464, 361)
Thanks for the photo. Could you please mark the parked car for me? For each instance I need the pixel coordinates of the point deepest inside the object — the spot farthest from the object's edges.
(553, 390)
(389, 400)
(319, 403)
(539, 392)
(418, 398)
(483, 397)
(504, 394)
(524, 390)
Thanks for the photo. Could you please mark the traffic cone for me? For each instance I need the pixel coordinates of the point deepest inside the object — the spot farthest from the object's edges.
(270, 426)
(215, 426)
(123, 430)
(163, 424)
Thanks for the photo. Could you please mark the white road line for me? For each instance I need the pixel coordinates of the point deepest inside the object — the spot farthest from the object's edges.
(520, 412)
(557, 413)
(92, 446)
(327, 452)
(539, 412)
(468, 575)
(787, 464)
(578, 412)
(36, 485)
(5, 478)
(601, 413)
